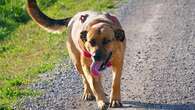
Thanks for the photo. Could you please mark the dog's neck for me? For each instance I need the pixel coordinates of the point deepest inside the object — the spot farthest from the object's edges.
(84, 52)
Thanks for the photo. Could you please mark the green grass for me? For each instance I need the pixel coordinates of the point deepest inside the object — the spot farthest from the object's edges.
(27, 50)
(13, 14)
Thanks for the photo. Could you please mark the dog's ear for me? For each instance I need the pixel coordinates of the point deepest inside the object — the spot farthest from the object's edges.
(119, 35)
(83, 36)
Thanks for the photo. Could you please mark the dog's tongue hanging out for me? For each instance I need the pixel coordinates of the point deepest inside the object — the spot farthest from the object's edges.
(95, 68)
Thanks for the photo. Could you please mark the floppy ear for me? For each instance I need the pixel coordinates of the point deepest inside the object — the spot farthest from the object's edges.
(119, 35)
(83, 36)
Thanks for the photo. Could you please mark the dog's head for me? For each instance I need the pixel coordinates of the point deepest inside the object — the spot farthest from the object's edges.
(99, 41)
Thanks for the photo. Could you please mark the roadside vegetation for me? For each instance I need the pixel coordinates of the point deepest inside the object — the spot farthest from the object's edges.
(26, 50)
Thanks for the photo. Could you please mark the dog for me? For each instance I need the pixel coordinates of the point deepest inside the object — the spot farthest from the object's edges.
(95, 42)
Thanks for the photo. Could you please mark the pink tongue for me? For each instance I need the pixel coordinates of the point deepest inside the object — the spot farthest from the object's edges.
(94, 68)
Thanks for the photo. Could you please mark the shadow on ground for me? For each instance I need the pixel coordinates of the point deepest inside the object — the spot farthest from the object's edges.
(157, 106)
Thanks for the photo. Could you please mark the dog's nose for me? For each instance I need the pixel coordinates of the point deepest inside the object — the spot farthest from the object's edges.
(97, 56)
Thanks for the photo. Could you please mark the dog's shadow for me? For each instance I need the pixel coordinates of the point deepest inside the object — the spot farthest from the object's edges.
(157, 106)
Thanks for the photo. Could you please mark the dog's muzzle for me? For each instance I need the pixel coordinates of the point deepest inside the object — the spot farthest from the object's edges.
(105, 63)
(100, 65)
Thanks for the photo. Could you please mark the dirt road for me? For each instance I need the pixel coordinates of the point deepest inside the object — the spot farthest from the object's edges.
(160, 60)
(159, 69)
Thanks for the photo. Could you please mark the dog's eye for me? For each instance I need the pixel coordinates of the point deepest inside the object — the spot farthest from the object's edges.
(106, 41)
(93, 42)
(83, 36)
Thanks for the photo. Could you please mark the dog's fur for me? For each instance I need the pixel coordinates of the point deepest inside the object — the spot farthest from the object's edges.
(97, 33)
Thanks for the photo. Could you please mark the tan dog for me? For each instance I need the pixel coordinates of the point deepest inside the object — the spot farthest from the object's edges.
(95, 41)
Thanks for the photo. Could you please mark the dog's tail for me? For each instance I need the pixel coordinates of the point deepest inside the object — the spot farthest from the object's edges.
(49, 24)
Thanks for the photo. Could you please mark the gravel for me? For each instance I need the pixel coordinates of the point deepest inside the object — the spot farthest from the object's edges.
(159, 67)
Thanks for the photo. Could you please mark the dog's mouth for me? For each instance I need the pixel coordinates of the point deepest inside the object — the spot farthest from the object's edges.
(104, 64)
(100, 65)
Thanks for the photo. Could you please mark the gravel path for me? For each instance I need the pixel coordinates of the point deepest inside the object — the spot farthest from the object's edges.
(159, 69)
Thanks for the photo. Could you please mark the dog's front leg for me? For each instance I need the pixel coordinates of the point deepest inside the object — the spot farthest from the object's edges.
(87, 93)
(115, 99)
(95, 85)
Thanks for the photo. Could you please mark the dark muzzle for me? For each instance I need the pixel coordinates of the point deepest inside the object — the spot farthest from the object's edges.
(104, 64)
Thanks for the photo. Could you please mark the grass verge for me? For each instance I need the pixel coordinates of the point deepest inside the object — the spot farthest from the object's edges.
(26, 50)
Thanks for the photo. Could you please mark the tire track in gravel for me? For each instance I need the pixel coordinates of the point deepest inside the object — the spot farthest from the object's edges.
(159, 67)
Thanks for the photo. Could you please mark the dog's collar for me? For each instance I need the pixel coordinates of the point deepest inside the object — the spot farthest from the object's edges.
(84, 52)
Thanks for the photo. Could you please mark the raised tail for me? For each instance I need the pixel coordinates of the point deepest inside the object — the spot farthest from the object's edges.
(49, 24)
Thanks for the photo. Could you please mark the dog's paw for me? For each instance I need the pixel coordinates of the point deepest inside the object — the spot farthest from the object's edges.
(115, 104)
(102, 105)
(88, 97)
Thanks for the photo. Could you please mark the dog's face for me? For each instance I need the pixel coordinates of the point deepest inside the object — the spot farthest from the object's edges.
(99, 41)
